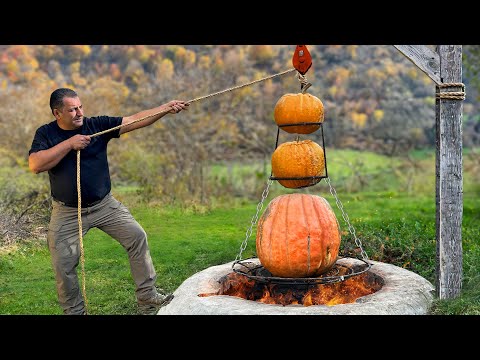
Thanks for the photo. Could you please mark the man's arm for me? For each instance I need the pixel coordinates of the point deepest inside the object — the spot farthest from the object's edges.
(172, 107)
(44, 160)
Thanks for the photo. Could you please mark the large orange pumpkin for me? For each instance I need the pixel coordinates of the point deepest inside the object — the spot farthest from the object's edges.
(299, 108)
(298, 235)
(295, 159)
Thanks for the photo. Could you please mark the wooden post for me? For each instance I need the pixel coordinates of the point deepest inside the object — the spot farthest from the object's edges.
(449, 177)
(444, 67)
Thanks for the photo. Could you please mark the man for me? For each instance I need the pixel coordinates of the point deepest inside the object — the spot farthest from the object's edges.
(54, 149)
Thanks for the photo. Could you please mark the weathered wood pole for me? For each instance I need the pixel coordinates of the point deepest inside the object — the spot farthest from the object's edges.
(449, 175)
(444, 67)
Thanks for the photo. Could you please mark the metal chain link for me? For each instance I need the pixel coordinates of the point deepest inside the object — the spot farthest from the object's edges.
(345, 217)
(254, 221)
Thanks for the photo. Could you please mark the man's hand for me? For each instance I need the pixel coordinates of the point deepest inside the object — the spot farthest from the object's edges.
(152, 115)
(79, 142)
(177, 106)
(44, 160)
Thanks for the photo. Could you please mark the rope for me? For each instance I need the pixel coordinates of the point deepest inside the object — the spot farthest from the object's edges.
(241, 86)
(452, 95)
(164, 112)
(80, 229)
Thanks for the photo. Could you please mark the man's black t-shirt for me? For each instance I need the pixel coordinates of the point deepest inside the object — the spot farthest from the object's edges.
(94, 172)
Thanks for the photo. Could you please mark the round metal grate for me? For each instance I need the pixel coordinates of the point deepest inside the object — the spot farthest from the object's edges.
(337, 273)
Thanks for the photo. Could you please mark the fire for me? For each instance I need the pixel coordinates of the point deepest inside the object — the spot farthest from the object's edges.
(343, 292)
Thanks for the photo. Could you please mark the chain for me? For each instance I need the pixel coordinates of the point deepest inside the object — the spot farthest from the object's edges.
(254, 220)
(345, 217)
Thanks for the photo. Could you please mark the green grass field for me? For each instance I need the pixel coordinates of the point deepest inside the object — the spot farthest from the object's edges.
(394, 225)
(393, 228)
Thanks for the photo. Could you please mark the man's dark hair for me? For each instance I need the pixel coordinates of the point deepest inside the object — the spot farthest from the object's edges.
(56, 99)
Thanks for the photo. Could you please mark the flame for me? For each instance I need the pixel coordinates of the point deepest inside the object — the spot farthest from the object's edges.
(346, 291)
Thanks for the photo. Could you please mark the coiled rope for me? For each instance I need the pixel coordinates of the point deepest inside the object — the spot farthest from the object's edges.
(451, 95)
(164, 112)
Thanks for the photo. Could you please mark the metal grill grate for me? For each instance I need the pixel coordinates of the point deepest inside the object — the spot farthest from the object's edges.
(337, 273)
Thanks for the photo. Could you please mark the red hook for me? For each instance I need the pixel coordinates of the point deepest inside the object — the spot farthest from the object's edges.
(302, 61)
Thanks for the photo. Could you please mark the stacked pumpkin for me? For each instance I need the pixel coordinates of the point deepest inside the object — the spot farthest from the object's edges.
(298, 235)
(298, 159)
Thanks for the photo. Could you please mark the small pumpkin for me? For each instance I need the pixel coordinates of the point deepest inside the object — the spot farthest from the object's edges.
(298, 235)
(294, 159)
(299, 108)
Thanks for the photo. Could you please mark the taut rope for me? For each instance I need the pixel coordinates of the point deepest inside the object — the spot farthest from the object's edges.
(164, 112)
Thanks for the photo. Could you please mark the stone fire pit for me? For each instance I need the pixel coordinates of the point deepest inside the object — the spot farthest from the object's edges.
(403, 293)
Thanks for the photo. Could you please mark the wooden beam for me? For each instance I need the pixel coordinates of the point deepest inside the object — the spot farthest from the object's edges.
(425, 59)
(449, 177)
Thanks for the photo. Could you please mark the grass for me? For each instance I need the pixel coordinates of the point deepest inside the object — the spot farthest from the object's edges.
(395, 223)
(181, 245)
(393, 228)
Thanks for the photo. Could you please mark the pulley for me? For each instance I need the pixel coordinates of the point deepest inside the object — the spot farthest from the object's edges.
(302, 61)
